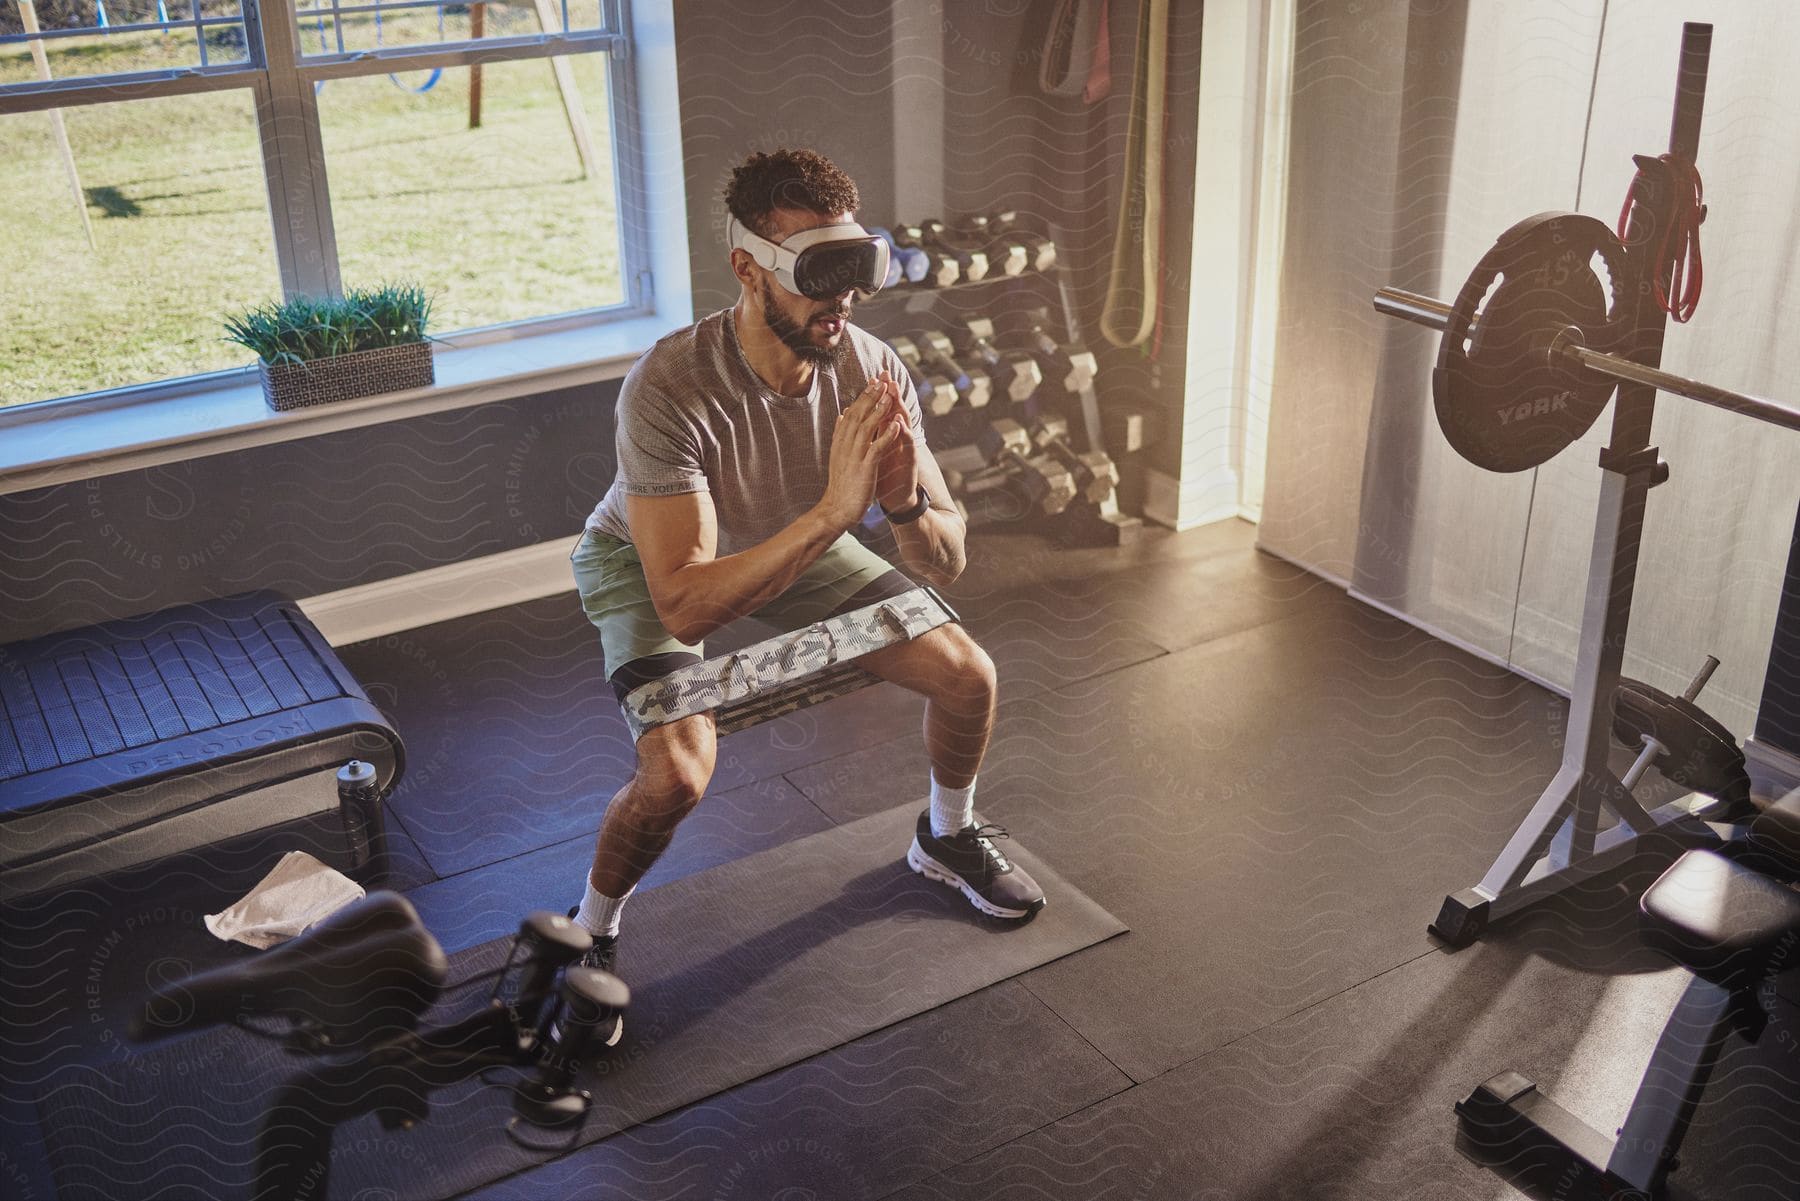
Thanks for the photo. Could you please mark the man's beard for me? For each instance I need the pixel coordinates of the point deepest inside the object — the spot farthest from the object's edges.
(797, 337)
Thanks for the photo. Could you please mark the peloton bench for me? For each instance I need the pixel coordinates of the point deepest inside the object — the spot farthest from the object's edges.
(133, 739)
(788, 672)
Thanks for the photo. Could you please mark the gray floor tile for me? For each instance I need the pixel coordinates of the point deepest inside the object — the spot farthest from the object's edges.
(1275, 814)
(407, 868)
(1349, 1099)
(1091, 607)
(855, 1122)
(488, 902)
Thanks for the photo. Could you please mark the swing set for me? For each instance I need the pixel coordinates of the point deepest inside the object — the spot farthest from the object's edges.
(565, 79)
(101, 21)
(430, 80)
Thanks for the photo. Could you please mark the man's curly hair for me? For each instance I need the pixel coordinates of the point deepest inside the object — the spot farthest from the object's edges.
(787, 179)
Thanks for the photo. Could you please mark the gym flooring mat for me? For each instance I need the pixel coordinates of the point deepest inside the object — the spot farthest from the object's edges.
(736, 971)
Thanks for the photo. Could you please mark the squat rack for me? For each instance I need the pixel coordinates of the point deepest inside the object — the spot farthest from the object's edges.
(1560, 843)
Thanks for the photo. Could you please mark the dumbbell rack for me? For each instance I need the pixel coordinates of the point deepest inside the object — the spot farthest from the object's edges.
(1106, 523)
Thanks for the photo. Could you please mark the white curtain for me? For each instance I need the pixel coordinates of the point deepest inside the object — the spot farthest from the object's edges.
(1508, 109)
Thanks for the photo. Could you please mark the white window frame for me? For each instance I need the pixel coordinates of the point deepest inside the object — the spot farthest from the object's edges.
(62, 438)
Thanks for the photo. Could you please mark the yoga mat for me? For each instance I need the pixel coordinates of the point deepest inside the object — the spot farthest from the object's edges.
(735, 972)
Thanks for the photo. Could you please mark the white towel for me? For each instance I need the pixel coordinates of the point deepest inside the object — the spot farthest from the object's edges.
(300, 891)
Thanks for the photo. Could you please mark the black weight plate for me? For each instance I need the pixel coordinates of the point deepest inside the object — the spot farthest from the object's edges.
(1501, 401)
(1702, 754)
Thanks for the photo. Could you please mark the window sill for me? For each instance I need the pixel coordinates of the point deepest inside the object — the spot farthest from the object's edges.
(42, 445)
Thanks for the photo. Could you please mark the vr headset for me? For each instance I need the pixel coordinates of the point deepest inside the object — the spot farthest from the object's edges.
(819, 263)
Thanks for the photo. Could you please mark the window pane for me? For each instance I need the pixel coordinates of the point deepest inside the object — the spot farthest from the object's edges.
(327, 28)
(498, 222)
(174, 192)
(103, 38)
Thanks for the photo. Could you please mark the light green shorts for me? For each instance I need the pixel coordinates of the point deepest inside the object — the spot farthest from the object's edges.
(638, 648)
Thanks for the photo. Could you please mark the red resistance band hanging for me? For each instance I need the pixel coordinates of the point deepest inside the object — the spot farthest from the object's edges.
(1680, 248)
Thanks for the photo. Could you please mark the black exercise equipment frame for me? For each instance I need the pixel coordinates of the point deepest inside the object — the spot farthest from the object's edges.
(1508, 1123)
(391, 1072)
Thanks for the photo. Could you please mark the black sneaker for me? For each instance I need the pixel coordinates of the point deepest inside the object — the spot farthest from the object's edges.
(969, 860)
(603, 954)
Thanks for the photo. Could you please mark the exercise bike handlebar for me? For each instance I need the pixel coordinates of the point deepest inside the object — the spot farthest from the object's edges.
(363, 973)
(358, 982)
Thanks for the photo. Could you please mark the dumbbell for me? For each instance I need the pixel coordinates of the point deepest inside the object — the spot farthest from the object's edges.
(591, 1001)
(973, 382)
(1017, 371)
(972, 478)
(1006, 255)
(937, 363)
(1041, 249)
(941, 270)
(985, 491)
(960, 464)
(914, 262)
(1047, 483)
(1075, 364)
(1096, 475)
(937, 395)
(971, 257)
(1127, 423)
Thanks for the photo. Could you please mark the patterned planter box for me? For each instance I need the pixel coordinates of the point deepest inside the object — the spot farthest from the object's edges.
(347, 376)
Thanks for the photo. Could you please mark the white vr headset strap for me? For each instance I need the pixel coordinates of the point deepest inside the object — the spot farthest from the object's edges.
(767, 254)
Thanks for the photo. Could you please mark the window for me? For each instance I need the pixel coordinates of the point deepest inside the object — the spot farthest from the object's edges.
(164, 162)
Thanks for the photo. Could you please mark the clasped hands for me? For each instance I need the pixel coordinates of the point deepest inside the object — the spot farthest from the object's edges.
(874, 454)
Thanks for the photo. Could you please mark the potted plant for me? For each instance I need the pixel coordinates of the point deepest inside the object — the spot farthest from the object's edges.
(313, 349)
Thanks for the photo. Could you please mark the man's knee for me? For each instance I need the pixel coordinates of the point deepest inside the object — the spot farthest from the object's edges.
(977, 669)
(957, 666)
(675, 764)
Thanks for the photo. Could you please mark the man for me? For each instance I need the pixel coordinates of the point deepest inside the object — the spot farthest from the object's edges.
(748, 445)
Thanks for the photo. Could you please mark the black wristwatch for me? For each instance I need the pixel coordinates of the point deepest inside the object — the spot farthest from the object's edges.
(911, 512)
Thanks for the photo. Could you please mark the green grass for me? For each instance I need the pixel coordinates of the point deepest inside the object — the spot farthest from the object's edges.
(495, 223)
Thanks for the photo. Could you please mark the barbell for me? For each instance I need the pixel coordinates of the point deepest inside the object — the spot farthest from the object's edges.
(1537, 340)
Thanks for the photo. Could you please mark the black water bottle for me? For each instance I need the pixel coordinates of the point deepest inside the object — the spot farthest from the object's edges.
(359, 807)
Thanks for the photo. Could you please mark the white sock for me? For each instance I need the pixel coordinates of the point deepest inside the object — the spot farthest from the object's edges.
(951, 808)
(599, 913)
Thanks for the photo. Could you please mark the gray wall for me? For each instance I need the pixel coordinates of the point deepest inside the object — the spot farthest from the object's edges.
(1420, 131)
(762, 74)
(306, 517)
(1061, 161)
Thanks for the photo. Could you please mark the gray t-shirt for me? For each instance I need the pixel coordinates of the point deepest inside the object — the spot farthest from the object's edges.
(693, 416)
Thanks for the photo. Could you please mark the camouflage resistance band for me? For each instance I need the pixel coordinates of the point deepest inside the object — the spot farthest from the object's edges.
(789, 671)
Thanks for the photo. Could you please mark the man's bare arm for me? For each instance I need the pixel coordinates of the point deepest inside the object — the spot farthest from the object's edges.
(933, 547)
(696, 593)
(677, 537)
